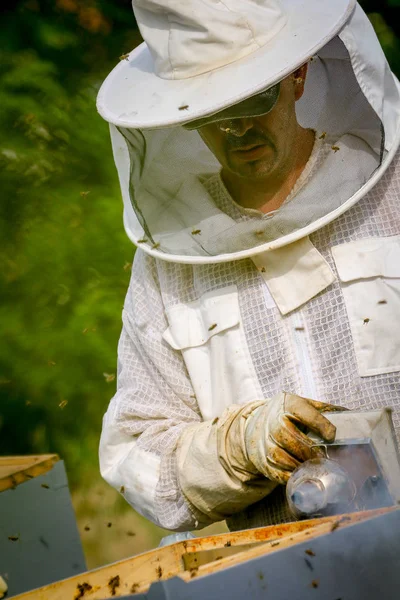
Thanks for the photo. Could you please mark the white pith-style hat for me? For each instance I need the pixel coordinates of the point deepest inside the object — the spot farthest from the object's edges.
(201, 56)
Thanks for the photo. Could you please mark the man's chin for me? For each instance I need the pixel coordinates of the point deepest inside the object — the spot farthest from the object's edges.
(257, 169)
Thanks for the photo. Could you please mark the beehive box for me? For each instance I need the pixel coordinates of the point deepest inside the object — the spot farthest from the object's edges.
(39, 538)
(351, 557)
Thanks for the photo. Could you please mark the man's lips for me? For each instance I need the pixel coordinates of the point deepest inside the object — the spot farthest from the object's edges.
(250, 152)
(249, 146)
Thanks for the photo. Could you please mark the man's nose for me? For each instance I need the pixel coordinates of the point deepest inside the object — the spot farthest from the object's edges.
(236, 127)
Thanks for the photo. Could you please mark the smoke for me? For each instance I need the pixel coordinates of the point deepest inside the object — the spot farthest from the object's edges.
(348, 480)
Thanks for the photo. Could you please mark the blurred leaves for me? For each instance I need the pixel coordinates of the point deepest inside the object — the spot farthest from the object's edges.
(385, 17)
(63, 246)
(387, 37)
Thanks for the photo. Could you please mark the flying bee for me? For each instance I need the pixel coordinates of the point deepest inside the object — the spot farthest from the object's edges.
(196, 231)
(366, 321)
(155, 246)
(109, 377)
(124, 56)
(213, 326)
(323, 135)
(335, 148)
(183, 107)
(63, 404)
(84, 194)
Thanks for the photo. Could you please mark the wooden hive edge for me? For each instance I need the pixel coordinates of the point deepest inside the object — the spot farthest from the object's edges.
(15, 470)
(136, 574)
(317, 528)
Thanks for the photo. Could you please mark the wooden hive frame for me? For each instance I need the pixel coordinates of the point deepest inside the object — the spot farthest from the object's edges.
(191, 559)
(15, 470)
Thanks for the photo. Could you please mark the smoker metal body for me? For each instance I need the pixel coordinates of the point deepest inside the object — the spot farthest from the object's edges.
(359, 562)
(361, 470)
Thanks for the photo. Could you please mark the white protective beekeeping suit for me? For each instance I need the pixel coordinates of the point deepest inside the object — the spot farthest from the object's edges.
(227, 307)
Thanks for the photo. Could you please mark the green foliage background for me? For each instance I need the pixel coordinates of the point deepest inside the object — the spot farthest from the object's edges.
(64, 249)
(64, 257)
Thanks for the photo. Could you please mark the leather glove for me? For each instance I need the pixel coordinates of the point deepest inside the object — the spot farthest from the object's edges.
(274, 437)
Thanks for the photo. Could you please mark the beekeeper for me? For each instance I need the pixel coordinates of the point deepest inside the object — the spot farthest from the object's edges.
(256, 145)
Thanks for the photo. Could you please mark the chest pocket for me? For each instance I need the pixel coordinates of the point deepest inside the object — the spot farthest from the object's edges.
(369, 270)
(209, 333)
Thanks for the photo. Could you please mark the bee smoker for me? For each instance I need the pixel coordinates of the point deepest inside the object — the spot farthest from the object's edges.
(360, 471)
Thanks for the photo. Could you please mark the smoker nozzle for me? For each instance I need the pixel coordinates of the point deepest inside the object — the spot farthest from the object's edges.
(319, 487)
(308, 497)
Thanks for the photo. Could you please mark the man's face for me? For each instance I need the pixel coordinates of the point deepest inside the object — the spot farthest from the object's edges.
(256, 147)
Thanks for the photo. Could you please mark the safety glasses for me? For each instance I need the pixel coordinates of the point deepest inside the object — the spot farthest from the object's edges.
(255, 106)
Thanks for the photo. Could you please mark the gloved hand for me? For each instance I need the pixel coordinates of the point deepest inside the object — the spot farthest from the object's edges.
(237, 459)
(274, 440)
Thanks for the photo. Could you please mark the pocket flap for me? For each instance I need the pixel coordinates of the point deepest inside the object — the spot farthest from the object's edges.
(367, 258)
(194, 323)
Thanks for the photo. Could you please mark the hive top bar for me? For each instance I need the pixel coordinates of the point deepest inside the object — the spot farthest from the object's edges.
(216, 558)
(15, 470)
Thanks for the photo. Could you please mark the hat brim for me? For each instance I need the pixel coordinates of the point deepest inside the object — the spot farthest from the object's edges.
(134, 96)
